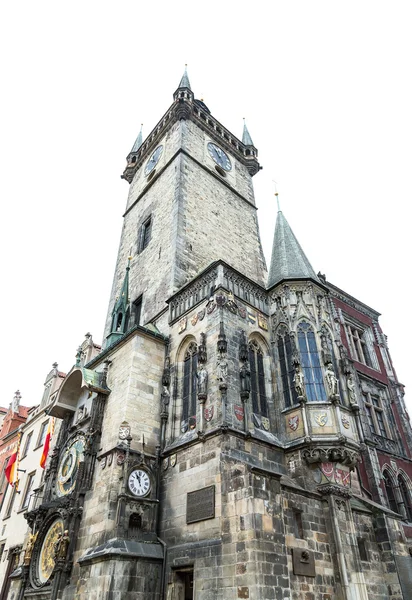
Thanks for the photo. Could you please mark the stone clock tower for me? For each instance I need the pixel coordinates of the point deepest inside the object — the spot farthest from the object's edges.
(215, 446)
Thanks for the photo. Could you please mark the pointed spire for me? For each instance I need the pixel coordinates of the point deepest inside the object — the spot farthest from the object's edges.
(138, 141)
(184, 82)
(123, 299)
(120, 314)
(246, 139)
(288, 259)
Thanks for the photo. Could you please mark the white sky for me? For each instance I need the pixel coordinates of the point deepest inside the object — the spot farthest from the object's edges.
(324, 86)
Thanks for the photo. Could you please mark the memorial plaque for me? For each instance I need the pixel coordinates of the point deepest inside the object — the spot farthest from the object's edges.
(303, 562)
(200, 505)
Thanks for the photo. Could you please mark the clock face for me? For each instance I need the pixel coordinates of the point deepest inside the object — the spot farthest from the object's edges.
(153, 160)
(139, 482)
(219, 156)
(45, 561)
(69, 466)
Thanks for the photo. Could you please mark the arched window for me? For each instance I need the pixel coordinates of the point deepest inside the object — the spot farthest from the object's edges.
(257, 380)
(189, 386)
(312, 370)
(135, 525)
(390, 492)
(406, 497)
(286, 367)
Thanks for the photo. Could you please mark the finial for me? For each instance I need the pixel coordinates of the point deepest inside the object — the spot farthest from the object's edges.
(55, 365)
(184, 82)
(277, 195)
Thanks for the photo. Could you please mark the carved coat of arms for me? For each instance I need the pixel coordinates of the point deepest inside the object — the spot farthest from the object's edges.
(265, 423)
(182, 325)
(262, 322)
(293, 422)
(321, 418)
(194, 319)
(345, 421)
(201, 314)
(208, 412)
(239, 412)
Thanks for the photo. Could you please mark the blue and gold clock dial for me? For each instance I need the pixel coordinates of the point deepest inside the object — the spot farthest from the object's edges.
(69, 466)
(153, 160)
(219, 156)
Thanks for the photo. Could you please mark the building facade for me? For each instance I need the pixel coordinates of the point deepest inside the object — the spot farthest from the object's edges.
(241, 434)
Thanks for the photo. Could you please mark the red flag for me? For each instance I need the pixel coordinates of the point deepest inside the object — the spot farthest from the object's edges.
(11, 469)
(46, 445)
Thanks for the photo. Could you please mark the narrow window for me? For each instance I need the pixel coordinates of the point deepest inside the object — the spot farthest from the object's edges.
(286, 368)
(362, 549)
(406, 498)
(145, 234)
(137, 310)
(135, 525)
(314, 386)
(297, 524)
(390, 493)
(42, 434)
(257, 380)
(11, 502)
(27, 493)
(27, 444)
(189, 384)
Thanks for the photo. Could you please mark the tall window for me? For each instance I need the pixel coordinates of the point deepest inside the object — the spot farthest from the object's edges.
(374, 413)
(390, 492)
(257, 380)
(27, 492)
(189, 383)
(3, 483)
(137, 310)
(42, 434)
(27, 444)
(286, 367)
(312, 370)
(11, 502)
(360, 341)
(406, 497)
(145, 234)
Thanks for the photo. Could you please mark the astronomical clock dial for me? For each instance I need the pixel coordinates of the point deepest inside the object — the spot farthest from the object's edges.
(45, 560)
(139, 482)
(153, 160)
(69, 466)
(219, 156)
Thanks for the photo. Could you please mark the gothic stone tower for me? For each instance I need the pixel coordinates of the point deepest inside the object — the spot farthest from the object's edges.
(216, 447)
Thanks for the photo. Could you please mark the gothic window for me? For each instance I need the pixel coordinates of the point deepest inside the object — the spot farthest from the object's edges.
(135, 525)
(257, 380)
(189, 383)
(406, 497)
(312, 370)
(286, 367)
(374, 413)
(390, 492)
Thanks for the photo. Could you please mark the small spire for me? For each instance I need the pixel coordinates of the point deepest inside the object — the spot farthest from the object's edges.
(288, 259)
(246, 139)
(16, 401)
(184, 82)
(138, 141)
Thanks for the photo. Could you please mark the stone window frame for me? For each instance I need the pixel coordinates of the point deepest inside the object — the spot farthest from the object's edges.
(145, 233)
(360, 342)
(176, 422)
(406, 494)
(286, 368)
(316, 382)
(375, 413)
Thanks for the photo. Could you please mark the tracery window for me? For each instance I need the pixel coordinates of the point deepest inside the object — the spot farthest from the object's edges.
(312, 370)
(257, 379)
(390, 492)
(406, 497)
(189, 383)
(286, 367)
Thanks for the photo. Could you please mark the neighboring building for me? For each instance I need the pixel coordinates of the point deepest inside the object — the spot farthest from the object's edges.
(240, 434)
(13, 525)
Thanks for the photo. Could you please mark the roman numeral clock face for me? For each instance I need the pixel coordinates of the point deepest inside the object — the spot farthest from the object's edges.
(219, 156)
(139, 482)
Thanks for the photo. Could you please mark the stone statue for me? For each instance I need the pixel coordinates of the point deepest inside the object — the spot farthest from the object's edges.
(245, 377)
(56, 547)
(331, 380)
(165, 395)
(299, 381)
(202, 378)
(222, 369)
(29, 548)
(351, 389)
(64, 546)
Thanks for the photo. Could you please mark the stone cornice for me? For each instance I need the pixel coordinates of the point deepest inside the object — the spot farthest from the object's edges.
(352, 301)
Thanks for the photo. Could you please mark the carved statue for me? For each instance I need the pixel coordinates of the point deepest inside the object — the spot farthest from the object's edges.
(351, 389)
(63, 546)
(202, 378)
(346, 363)
(331, 380)
(299, 381)
(56, 546)
(165, 395)
(29, 548)
(245, 378)
(222, 369)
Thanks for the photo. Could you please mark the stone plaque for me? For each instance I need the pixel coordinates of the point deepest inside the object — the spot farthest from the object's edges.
(404, 565)
(200, 505)
(303, 562)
